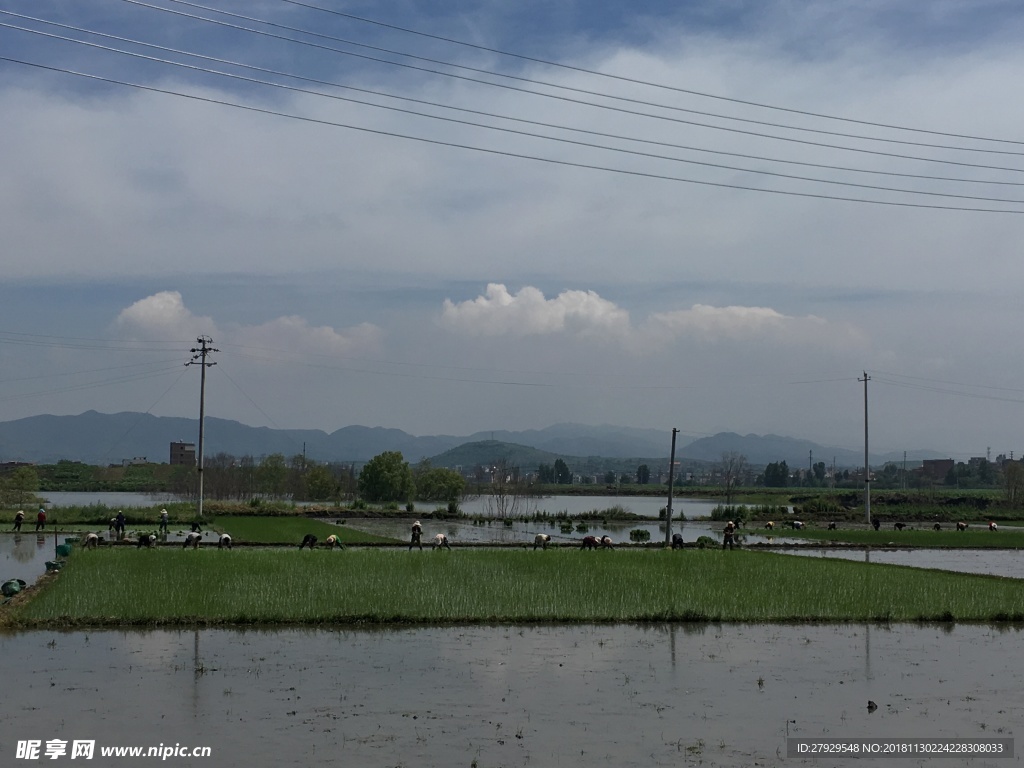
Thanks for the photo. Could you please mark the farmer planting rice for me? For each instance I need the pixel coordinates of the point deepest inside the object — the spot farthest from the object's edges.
(224, 542)
(92, 541)
(441, 541)
(332, 541)
(417, 535)
(677, 541)
(541, 540)
(308, 540)
(590, 542)
(146, 540)
(606, 542)
(728, 534)
(192, 540)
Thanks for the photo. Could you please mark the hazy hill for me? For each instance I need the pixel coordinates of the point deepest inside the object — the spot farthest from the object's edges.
(487, 452)
(583, 440)
(765, 449)
(99, 438)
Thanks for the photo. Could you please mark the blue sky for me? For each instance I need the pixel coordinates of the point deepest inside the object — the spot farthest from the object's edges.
(678, 260)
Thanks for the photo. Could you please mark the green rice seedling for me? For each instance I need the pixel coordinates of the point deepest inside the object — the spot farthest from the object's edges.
(290, 530)
(172, 586)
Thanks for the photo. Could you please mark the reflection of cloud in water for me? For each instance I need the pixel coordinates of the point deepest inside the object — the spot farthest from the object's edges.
(534, 695)
(983, 561)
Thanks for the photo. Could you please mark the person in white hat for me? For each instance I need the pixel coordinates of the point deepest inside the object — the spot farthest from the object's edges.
(728, 534)
(417, 534)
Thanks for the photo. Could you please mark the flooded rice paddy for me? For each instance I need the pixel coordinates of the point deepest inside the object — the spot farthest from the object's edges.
(621, 696)
(1009, 563)
(538, 695)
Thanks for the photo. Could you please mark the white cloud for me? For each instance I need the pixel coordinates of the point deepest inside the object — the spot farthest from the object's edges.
(295, 335)
(528, 313)
(112, 192)
(708, 323)
(163, 316)
(586, 314)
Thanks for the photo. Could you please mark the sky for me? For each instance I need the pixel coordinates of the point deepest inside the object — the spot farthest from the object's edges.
(710, 217)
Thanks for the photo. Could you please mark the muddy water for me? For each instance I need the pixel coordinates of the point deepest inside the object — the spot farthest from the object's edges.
(646, 506)
(24, 555)
(711, 695)
(522, 532)
(1009, 563)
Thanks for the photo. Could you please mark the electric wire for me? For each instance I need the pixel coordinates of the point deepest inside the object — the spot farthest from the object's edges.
(91, 385)
(588, 384)
(62, 342)
(506, 153)
(529, 80)
(573, 142)
(19, 379)
(138, 419)
(481, 113)
(637, 81)
(950, 383)
(633, 112)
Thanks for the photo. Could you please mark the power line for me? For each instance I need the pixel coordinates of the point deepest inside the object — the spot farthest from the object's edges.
(805, 142)
(62, 342)
(93, 385)
(538, 82)
(649, 83)
(79, 373)
(573, 142)
(951, 383)
(482, 113)
(943, 391)
(505, 153)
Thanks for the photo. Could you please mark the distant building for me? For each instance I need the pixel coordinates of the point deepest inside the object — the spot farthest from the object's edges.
(183, 454)
(138, 461)
(936, 469)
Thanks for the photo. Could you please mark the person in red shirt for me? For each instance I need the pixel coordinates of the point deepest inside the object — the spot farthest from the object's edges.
(41, 519)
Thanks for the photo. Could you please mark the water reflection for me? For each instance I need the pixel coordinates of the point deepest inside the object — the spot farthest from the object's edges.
(515, 696)
(999, 562)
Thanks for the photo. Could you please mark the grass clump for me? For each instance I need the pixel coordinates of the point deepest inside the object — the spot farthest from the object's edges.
(244, 586)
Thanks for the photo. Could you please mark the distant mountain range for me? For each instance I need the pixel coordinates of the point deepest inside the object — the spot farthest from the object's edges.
(99, 438)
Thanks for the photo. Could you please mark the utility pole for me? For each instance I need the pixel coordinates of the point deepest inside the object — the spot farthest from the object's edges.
(199, 358)
(671, 471)
(903, 478)
(867, 467)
